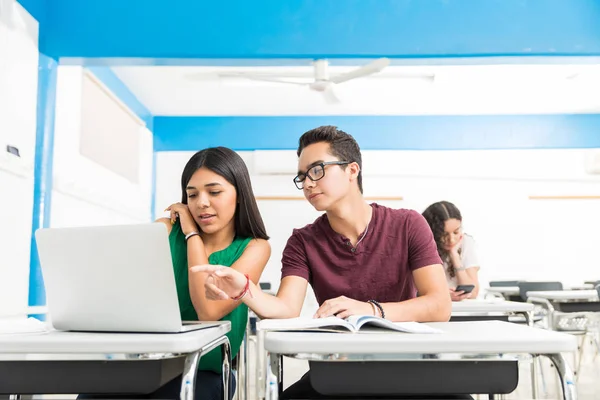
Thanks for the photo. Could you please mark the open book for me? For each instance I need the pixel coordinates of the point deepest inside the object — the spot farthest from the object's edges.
(353, 323)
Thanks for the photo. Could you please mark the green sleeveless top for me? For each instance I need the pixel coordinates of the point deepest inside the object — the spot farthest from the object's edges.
(238, 317)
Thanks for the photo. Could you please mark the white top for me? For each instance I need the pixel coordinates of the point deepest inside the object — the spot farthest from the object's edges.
(566, 295)
(468, 257)
(478, 337)
(489, 306)
(60, 342)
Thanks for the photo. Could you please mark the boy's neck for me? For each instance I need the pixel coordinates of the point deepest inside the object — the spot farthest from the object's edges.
(350, 216)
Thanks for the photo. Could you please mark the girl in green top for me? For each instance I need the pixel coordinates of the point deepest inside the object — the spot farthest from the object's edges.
(217, 222)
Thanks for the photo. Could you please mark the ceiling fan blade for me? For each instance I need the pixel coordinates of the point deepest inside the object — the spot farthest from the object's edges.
(264, 79)
(329, 95)
(368, 69)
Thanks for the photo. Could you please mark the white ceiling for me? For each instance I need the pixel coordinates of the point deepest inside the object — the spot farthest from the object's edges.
(455, 90)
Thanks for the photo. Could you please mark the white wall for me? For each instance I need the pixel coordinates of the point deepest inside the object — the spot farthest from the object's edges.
(518, 238)
(84, 192)
(18, 94)
(87, 193)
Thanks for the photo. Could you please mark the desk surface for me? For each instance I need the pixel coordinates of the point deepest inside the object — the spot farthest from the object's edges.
(566, 295)
(489, 306)
(504, 290)
(479, 337)
(59, 342)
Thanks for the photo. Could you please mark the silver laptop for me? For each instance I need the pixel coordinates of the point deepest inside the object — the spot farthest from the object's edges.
(111, 279)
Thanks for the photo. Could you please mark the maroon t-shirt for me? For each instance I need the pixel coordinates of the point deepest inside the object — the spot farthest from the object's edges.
(397, 242)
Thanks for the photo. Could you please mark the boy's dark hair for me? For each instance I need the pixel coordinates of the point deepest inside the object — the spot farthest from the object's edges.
(341, 145)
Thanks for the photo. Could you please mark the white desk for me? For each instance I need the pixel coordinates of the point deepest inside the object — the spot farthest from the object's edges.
(504, 290)
(514, 290)
(482, 338)
(566, 295)
(486, 306)
(80, 346)
(471, 309)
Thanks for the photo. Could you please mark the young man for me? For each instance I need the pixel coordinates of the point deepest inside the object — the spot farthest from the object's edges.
(359, 258)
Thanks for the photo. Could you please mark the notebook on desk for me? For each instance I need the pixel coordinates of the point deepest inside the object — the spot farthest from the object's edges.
(111, 279)
(351, 324)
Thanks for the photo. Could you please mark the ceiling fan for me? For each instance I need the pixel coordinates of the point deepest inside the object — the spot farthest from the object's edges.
(321, 81)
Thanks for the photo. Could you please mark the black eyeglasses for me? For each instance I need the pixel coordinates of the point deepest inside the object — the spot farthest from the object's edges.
(315, 173)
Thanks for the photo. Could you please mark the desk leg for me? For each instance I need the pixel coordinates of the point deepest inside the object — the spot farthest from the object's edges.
(534, 361)
(188, 379)
(262, 379)
(226, 368)
(274, 378)
(565, 375)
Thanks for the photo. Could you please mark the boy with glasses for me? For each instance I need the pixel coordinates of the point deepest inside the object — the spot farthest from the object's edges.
(360, 258)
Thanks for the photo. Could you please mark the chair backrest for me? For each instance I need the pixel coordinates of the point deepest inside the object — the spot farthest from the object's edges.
(503, 283)
(525, 287)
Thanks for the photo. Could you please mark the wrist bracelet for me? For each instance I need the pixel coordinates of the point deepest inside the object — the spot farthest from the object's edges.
(375, 309)
(246, 290)
(189, 235)
(376, 304)
(460, 269)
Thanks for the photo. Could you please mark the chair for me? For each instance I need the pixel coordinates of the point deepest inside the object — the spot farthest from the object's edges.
(503, 283)
(525, 287)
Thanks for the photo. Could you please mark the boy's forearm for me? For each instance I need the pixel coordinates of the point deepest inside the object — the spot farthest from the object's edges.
(266, 305)
(428, 308)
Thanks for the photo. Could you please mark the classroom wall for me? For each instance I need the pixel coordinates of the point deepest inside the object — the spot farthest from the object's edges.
(518, 237)
(18, 93)
(86, 192)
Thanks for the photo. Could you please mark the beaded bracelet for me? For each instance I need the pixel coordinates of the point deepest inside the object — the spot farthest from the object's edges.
(376, 304)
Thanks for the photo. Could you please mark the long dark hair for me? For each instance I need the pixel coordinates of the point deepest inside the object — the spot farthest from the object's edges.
(228, 164)
(436, 216)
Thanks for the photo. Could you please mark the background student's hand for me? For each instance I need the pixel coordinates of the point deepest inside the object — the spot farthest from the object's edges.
(456, 247)
(181, 211)
(223, 283)
(343, 307)
(459, 295)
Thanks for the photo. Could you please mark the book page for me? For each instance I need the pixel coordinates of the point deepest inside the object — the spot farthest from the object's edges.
(304, 323)
(408, 327)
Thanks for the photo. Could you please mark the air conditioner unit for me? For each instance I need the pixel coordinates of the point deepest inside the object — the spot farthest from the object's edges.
(275, 162)
(592, 162)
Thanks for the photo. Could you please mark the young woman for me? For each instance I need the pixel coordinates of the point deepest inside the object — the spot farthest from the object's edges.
(456, 249)
(216, 222)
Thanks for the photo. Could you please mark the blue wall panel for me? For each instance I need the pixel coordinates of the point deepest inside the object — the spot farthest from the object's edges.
(42, 179)
(383, 132)
(37, 8)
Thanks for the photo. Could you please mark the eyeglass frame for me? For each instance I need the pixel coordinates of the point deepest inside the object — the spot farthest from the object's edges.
(322, 164)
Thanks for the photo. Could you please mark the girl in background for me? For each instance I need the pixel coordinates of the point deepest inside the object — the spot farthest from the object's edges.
(456, 249)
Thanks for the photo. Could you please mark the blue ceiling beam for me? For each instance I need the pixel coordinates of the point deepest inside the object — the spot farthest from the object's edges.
(152, 30)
